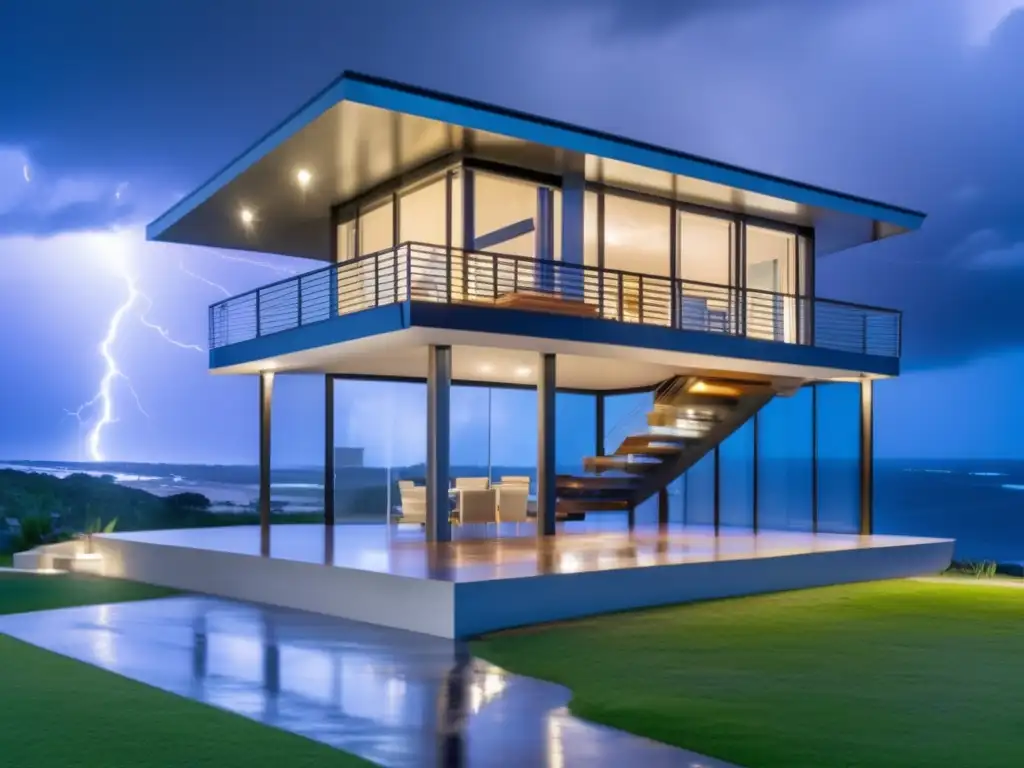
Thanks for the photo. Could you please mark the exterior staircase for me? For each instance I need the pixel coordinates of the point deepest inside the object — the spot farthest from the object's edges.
(690, 417)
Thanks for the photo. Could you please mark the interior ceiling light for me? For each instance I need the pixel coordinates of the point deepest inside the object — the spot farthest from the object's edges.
(304, 177)
(523, 371)
(247, 216)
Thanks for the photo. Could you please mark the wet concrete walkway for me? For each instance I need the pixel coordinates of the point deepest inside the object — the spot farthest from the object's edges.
(395, 698)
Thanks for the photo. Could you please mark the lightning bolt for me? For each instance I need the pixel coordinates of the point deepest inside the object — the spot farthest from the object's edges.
(200, 278)
(102, 403)
(257, 263)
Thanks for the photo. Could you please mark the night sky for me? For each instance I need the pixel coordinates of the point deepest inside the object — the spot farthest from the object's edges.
(111, 110)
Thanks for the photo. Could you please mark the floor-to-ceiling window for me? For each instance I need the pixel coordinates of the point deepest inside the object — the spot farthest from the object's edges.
(705, 253)
(423, 223)
(838, 444)
(736, 478)
(637, 243)
(771, 284)
(514, 222)
(785, 466)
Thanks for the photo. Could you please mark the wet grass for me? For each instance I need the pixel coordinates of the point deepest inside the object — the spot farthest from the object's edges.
(898, 674)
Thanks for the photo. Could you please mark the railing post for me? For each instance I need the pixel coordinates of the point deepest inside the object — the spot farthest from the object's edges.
(640, 299)
(298, 316)
(394, 277)
(408, 271)
(621, 314)
(257, 313)
(494, 278)
(864, 333)
(332, 291)
(376, 280)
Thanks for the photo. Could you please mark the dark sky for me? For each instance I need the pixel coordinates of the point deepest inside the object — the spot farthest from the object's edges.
(112, 109)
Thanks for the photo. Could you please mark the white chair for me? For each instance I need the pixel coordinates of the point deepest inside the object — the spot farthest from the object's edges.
(472, 483)
(414, 504)
(477, 505)
(516, 480)
(512, 499)
(406, 484)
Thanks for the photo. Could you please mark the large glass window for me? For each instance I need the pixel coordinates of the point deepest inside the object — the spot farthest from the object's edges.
(376, 228)
(514, 218)
(838, 438)
(705, 251)
(699, 492)
(637, 240)
(771, 257)
(785, 463)
(422, 221)
(422, 213)
(736, 475)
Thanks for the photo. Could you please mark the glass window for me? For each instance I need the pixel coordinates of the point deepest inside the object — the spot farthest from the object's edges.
(346, 241)
(699, 492)
(376, 445)
(505, 213)
(785, 463)
(838, 457)
(576, 425)
(736, 475)
(705, 248)
(376, 228)
(771, 284)
(637, 239)
(422, 213)
(422, 221)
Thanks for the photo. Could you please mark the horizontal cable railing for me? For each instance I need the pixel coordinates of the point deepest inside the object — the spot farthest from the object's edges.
(432, 273)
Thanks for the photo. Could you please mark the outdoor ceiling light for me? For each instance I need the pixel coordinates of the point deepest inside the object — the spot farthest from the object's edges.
(486, 368)
(304, 177)
(247, 216)
(523, 371)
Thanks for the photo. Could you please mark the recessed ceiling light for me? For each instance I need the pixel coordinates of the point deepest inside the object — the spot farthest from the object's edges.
(247, 216)
(523, 371)
(303, 176)
(486, 368)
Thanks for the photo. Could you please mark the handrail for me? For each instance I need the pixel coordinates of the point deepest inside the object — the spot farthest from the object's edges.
(416, 271)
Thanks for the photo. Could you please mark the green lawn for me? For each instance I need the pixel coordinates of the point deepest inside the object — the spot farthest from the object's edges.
(6, 559)
(56, 711)
(897, 674)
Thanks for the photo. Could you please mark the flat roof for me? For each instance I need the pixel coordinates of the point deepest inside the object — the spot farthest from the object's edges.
(362, 130)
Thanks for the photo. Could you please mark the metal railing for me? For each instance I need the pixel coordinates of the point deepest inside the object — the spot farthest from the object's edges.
(431, 273)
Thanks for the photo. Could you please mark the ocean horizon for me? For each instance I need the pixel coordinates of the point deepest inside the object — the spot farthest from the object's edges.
(980, 503)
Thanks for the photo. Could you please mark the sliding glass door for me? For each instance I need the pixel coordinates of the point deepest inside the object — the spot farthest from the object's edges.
(771, 284)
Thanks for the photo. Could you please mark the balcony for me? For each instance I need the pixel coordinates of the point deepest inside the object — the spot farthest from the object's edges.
(420, 272)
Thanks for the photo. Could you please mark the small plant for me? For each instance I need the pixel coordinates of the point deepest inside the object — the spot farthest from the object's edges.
(96, 526)
(983, 569)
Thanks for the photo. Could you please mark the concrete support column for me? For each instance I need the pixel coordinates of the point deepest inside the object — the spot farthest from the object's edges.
(867, 457)
(439, 384)
(266, 396)
(546, 498)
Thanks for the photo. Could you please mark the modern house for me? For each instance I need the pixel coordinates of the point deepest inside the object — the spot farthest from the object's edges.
(464, 242)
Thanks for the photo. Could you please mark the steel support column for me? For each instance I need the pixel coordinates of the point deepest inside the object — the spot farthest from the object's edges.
(328, 450)
(266, 396)
(439, 384)
(867, 457)
(546, 446)
(663, 508)
(599, 400)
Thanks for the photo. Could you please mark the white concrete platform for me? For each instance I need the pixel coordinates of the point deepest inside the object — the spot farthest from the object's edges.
(473, 585)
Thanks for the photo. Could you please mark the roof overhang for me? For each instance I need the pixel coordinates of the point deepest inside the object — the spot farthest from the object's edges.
(362, 131)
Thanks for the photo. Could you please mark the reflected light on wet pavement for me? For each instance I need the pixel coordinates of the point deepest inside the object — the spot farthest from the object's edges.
(395, 698)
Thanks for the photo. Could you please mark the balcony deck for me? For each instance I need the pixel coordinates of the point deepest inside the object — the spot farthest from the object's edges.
(423, 274)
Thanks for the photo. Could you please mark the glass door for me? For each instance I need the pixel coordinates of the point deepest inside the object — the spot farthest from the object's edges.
(770, 306)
